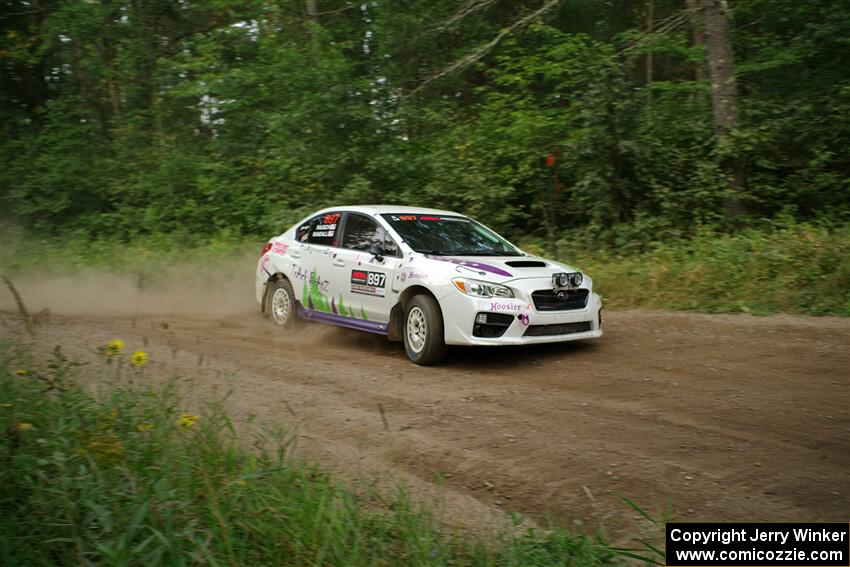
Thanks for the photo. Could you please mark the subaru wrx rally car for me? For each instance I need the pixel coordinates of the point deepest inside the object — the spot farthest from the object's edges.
(427, 277)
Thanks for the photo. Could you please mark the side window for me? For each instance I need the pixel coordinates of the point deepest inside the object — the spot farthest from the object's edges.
(361, 231)
(321, 229)
(303, 232)
(390, 247)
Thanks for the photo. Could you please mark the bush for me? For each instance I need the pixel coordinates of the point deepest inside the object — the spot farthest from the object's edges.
(793, 268)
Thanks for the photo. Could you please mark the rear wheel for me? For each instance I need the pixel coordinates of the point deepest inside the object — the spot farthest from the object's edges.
(423, 331)
(281, 304)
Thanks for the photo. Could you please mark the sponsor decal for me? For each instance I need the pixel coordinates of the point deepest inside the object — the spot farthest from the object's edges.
(279, 248)
(368, 283)
(324, 230)
(327, 228)
(317, 304)
(316, 281)
(427, 218)
(470, 264)
(413, 276)
(524, 320)
(499, 306)
(314, 294)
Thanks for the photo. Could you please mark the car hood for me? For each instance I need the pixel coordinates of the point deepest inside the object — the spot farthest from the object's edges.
(503, 269)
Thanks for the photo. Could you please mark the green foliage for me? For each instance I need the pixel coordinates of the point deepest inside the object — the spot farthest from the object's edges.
(23, 252)
(133, 477)
(782, 267)
(127, 120)
(789, 268)
(135, 130)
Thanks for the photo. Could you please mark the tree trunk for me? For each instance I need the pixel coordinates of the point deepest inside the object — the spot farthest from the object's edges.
(697, 36)
(724, 95)
(650, 28)
(313, 10)
(721, 64)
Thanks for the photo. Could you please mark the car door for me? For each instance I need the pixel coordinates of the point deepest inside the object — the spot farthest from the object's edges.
(367, 281)
(313, 274)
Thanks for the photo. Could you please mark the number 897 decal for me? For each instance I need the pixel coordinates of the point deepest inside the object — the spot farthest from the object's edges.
(368, 283)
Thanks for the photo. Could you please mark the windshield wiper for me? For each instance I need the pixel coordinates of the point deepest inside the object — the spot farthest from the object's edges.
(433, 252)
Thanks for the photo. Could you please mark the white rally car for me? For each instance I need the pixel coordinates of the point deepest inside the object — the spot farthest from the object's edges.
(430, 278)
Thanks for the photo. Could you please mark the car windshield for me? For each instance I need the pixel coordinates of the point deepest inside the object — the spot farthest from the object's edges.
(449, 236)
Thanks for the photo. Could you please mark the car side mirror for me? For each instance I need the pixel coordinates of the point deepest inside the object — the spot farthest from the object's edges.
(377, 250)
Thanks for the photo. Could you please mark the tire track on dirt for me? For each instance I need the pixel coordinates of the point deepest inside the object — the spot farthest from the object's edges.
(704, 417)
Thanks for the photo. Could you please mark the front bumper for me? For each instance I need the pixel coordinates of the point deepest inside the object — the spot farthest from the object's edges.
(526, 326)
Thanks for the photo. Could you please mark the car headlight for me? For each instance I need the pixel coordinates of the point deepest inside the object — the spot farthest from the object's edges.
(564, 280)
(477, 288)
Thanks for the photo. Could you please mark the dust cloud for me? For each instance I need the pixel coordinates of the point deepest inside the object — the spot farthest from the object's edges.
(220, 289)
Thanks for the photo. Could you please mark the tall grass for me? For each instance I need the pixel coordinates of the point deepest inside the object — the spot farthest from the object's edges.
(133, 477)
(24, 252)
(792, 268)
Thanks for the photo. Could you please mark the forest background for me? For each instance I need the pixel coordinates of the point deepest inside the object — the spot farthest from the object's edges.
(687, 153)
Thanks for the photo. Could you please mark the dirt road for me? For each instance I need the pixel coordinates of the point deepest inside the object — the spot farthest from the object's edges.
(695, 417)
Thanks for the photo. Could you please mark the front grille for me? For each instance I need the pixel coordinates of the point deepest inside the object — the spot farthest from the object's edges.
(557, 329)
(548, 300)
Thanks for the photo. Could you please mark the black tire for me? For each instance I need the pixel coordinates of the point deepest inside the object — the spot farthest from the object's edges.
(281, 313)
(424, 343)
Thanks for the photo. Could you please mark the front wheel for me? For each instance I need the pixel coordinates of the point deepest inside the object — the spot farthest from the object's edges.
(423, 331)
(281, 304)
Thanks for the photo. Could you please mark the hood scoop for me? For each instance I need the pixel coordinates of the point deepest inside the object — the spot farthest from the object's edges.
(526, 264)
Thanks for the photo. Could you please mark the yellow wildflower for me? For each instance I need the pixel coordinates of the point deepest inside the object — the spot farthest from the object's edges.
(139, 358)
(22, 372)
(23, 426)
(187, 420)
(144, 426)
(6, 405)
(241, 482)
(114, 347)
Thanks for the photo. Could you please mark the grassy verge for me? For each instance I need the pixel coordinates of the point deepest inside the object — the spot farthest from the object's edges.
(795, 269)
(132, 477)
(25, 253)
(790, 268)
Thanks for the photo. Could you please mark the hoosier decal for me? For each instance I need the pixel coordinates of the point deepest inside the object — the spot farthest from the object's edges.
(368, 283)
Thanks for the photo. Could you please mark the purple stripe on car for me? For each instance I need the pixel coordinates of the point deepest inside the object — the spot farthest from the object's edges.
(471, 264)
(349, 322)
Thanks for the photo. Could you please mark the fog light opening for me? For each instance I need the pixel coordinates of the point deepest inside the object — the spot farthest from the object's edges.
(491, 325)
